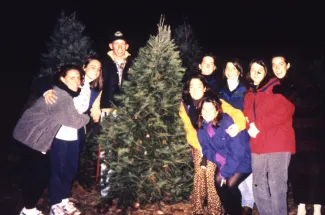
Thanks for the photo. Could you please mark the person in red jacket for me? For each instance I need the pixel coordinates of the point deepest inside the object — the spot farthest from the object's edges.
(307, 177)
(269, 124)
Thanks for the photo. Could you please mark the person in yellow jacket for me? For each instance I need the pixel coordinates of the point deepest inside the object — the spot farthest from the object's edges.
(204, 183)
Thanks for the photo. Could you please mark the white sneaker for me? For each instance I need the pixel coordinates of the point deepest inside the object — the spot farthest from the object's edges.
(57, 210)
(301, 209)
(317, 209)
(33, 211)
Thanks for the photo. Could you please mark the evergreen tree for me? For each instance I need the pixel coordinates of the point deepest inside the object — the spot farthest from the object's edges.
(67, 45)
(190, 51)
(145, 142)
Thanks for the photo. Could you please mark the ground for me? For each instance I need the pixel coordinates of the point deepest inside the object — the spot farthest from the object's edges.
(88, 200)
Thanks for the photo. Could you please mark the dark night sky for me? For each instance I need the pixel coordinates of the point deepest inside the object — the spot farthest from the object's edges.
(245, 29)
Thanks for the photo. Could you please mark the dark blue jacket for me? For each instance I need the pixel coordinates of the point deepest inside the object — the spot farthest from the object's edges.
(213, 81)
(111, 81)
(234, 98)
(231, 154)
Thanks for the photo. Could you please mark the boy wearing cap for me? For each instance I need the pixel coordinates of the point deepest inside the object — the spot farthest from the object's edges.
(115, 69)
(115, 65)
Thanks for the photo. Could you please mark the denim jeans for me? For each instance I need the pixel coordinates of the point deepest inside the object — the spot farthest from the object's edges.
(270, 176)
(246, 190)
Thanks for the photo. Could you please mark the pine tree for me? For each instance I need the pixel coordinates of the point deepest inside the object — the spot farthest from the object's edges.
(145, 142)
(67, 45)
(190, 51)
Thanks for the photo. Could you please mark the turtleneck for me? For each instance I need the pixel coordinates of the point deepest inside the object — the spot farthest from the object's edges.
(232, 84)
(209, 77)
(63, 86)
(196, 102)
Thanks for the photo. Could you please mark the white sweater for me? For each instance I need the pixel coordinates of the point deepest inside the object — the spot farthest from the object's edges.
(232, 84)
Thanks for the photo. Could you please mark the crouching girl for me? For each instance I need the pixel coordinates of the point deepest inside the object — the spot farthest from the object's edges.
(231, 154)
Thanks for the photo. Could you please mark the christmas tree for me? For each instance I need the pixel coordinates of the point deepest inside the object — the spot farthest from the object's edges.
(190, 51)
(144, 142)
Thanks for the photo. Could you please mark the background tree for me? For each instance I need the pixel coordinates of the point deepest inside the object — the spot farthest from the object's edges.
(190, 51)
(66, 45)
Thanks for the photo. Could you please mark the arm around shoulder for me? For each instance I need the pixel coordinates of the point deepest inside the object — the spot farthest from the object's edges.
(236, 114)
(64, 112)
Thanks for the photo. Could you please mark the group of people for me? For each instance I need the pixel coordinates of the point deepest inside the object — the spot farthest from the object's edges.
(241, 136)
(239, 130)
(52, 129)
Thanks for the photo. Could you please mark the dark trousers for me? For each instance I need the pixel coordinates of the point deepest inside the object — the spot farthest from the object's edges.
(307, 177)
(36, 174)
(82, 138)
(229, 193)
(64, 158)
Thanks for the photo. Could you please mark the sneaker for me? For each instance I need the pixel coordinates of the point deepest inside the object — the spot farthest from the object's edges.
(70, 208)
(57, 210)
(25, 211)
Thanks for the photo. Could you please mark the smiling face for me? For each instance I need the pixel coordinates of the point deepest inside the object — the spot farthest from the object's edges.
(72, 79)
(196, 89)
(92, 70)
(119, 48)
(207, 65)
(280, 67)
(209, 111)
(257, 73)
(231, 71)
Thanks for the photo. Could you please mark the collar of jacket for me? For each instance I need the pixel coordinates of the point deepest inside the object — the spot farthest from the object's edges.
(110, 54)
(64, 87)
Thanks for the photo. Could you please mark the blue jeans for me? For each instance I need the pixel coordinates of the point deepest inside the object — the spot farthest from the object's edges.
(270, 176)
(246, 190)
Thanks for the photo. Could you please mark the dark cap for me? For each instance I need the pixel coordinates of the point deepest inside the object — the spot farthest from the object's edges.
(117, 36)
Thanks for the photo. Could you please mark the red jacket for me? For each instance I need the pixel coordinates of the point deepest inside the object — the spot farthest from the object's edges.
(272, 115)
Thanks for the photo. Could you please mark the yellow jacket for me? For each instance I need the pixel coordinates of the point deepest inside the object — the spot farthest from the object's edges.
(191, 137)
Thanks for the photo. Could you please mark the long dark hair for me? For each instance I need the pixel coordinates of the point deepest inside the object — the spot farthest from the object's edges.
(265, 79)
(96, 84)
(214, 99)
(236, 62)
(187, 99)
